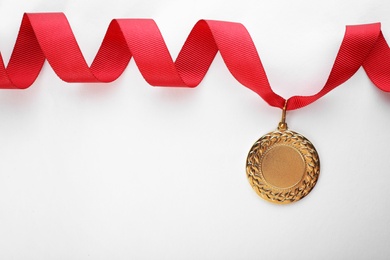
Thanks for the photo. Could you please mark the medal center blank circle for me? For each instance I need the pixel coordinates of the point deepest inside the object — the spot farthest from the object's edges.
(282, 166)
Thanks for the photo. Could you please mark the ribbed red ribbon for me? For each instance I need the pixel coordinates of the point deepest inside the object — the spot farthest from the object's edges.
(49, 36)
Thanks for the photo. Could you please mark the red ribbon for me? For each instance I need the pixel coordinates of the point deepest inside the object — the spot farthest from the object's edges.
(49, 36)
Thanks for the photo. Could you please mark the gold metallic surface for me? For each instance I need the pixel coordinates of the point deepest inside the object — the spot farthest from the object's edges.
(283, 166)
(279, 160)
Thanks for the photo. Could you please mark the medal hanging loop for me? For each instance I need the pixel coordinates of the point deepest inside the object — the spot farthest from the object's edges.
(283, 125)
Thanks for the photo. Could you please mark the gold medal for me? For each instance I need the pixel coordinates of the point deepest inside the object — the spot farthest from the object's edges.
(283, 166)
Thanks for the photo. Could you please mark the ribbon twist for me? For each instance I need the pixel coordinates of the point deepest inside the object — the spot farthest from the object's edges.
(48, 36)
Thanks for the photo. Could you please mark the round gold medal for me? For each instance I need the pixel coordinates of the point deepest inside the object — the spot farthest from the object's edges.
(283, 166)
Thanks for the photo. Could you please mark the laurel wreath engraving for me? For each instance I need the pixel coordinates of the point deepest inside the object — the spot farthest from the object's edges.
(279, 195)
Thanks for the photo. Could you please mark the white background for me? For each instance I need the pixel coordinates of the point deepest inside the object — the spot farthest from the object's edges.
(128, 171)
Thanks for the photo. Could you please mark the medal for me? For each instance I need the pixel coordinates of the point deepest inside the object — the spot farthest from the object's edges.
(283, 166)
